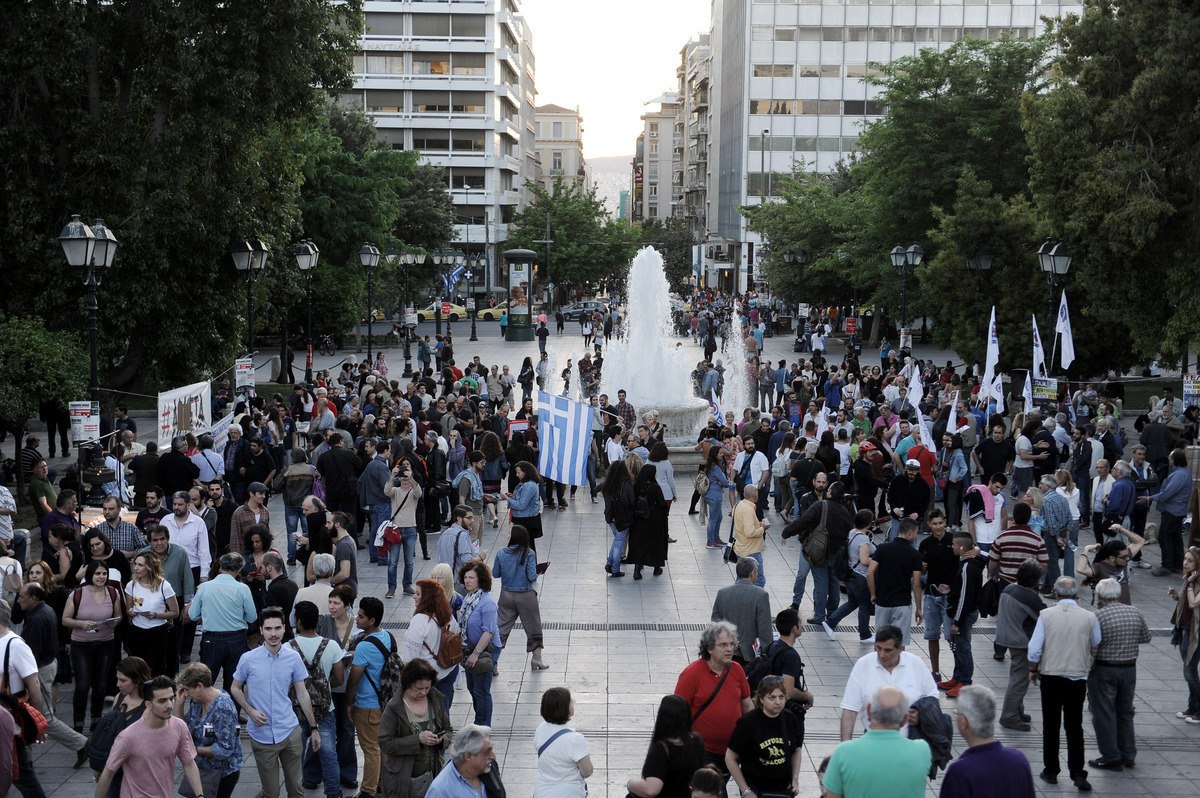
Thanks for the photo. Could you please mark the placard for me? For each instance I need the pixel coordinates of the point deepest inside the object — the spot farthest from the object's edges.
(1191, 390)
(1045, 392)
(445, 310)
(905, 338)
(243, 370)
(183, 410)
(517, 425)
(85, 421)
(851, 325)
(410, 317)
(470, 303)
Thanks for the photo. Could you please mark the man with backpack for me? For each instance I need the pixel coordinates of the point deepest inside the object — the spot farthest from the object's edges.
(823, 529)
(268, 673)
(748, 607)
(374, 675)
(19, 679)
(323, 659)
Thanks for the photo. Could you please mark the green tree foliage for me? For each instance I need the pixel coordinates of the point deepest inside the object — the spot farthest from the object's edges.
(674, 242)
(1115, 169)
(37, 365)
(184, 125)
(589, 246)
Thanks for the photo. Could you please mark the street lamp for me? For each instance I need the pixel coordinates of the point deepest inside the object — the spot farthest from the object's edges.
(905, 260)
(307, 256)
(94, 249)
(439, 257)
(368, 256)
(979, 264)
(407, 260)
(250, 256)
(473, 262)
(1055, 261)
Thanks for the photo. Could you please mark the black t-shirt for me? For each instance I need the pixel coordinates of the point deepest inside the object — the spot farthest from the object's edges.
(995, 457)
(893, 577)
(764, 747)
(940, 560)
(674, 764)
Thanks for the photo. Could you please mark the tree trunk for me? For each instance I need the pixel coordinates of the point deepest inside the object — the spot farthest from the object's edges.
(877, 327)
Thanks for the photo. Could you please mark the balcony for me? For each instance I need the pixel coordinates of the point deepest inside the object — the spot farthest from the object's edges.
(698, 131)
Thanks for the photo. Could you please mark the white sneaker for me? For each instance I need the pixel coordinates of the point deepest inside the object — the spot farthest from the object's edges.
(828, 631)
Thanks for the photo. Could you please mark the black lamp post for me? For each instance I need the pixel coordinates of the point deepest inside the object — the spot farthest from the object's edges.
(307, 256)
(250, 257)
(1055, 260)
(439, 257)
(979, 265)
(905, 261)
(94, 249)
(407, 260)
(368, 256)
(473, 262)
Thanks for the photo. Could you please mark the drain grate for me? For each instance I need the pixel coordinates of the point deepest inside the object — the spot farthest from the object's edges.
(576, 626)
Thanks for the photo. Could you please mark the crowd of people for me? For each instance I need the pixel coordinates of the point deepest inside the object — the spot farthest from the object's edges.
(905, 489)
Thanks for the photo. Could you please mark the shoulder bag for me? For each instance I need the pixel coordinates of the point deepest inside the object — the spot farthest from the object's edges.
(715, 692)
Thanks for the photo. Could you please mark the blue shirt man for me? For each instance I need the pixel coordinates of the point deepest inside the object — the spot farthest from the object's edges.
(223, 604)
(471, 755)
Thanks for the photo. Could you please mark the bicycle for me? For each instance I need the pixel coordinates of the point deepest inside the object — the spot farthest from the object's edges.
(325, 346)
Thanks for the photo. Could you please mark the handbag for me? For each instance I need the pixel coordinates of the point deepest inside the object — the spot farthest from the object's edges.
(389, 532)
(210, 781)
(702, 483)
(419, 785)
(483, 663)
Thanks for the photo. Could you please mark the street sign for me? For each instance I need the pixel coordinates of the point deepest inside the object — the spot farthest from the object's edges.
(243, 369)
(851, 325)
(471, 303)
(85, 421)
(905, 338)
(410, 317)
(445, 309)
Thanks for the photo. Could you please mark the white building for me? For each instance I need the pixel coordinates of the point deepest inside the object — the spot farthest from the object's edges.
(787, 85)
(454, 80)
(658, 164)
(560, 147)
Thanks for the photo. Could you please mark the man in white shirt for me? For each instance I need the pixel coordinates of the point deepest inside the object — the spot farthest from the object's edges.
(891, 665)
(189, 532)
(1102, 483)
(758, 470)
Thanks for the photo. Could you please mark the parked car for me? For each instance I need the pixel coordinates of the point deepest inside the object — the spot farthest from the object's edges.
(588, 307)
(493, 314)
(428, 313)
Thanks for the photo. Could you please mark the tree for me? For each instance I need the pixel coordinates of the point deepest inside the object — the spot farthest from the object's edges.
(588, 246)
(183, 125)
(38, 364)
(674, 242)
(1114, 169)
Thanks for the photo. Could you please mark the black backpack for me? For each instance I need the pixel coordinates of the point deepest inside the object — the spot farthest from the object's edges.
(763, 665)
(105, 732)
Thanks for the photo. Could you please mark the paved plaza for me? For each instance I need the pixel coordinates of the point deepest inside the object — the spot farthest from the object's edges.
(620, 644)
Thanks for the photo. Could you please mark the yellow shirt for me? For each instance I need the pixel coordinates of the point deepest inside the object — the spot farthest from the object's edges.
(747, 530)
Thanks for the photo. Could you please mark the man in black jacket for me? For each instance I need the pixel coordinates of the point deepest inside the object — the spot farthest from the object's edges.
(838, 523)
(1020, 605)
(175, 471)
(963, 607)
(907, 495)
(339, 469)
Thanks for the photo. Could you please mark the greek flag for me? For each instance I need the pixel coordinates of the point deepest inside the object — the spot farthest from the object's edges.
(564, 438)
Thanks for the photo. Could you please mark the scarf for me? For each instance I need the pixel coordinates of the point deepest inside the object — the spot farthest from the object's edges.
(470, 602)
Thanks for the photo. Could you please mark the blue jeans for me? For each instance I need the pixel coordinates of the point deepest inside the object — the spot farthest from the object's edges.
(714, 518)
(937, 617)
(1110, 691)
(294, 517)
(1191, 674)
(327, 756)
(446, 687)
(960, 643)
(825, 597)
(347, 756)
(379, 513)
(614, 553)
(1054, 551)
(762, 577)
(859, 597)
(480, 685)
(220, 651)
(409, 544)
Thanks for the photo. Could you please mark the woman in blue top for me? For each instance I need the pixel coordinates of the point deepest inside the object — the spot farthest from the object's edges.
(714, 497)
(952, 468)
(212, 718)
(516, 566)
(525, 503)
(477, 619)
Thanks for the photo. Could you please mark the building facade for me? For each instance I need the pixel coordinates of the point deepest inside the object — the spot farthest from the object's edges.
(658, 162)
(787, 88)
(560, 147)
(455, 81)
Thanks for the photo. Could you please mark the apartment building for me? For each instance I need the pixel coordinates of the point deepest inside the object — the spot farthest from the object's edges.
(560, 146)
(658, 162)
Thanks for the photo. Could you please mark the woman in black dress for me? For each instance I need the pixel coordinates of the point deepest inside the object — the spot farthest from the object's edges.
(648, 535)
(675, 753)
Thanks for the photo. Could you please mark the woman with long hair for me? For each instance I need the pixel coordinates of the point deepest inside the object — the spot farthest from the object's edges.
(480, 635)
(275, 436)
(952, 470)
(1066, 488)
(414, 730)
(42, 575)
(1186, 623)
(212, 718)
(92, 612)
(618, 512)
(152, 607)
(674, 755)
(319, 537)
(525, 502)
(516, 567)
(714, 497)
(494, 469)
(827, 453)
(423, 638)
(443, 574)
(338, 626)
(525, 378)
(518, 450)
(781, 467)
(132, 673)
(648, 533)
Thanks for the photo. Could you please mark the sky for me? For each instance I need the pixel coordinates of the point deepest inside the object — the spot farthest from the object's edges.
(609, 59)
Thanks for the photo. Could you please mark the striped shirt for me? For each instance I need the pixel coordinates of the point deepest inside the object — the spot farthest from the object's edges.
(1014, 546)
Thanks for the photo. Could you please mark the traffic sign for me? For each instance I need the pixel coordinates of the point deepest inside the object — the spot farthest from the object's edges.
(471, 303)
(445, 308)
(851, 325)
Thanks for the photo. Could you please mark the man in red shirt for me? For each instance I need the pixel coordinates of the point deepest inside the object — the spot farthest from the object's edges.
(716, 690)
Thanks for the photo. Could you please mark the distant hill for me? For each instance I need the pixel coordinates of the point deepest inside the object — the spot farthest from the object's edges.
(611, 176)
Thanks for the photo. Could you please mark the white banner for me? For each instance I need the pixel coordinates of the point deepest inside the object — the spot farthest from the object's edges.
(183, 410)
(220, 432)
(85, 421)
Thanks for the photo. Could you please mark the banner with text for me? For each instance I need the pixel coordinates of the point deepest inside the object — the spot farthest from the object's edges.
(243, 370)
(85, 421)
(183, 410)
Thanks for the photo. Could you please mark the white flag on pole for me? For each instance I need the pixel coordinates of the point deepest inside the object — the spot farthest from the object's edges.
(926, 432)
(1027, 393)
(997, 390)
(1039, 353)
(993, 359)
(952, 422)
(916, 390)
(1063, 326)
(564, 438)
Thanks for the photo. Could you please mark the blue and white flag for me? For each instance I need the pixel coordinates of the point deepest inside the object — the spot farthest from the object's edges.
(716, 405)
(992, 360)
(1039, 353)
(1027, 394)
(564, 438)
(1063, 326)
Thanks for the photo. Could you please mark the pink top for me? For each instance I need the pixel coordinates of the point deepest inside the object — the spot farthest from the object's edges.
(89, 610)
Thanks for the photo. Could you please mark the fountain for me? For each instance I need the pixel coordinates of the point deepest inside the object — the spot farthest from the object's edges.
(646, 363)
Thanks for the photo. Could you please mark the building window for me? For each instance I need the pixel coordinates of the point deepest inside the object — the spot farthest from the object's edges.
(654, 190)
(761, 33)
(468, 102)
(384, 101)
(385, 24)
(654, 148)
(951, 34)
(431, 140)
(431, 102)
(772, 106)
(430, 25)
(431, 63)
(652, 211)
(831, 34)
(785, 34)
(653, 130)
(856, 34)
(880, 34)
(556, 130)
(470, 64)
(385, 64)
(470, 26)
(556, 163)
(927, 34)
(808, 35)
(831, 70)
(468, 141)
